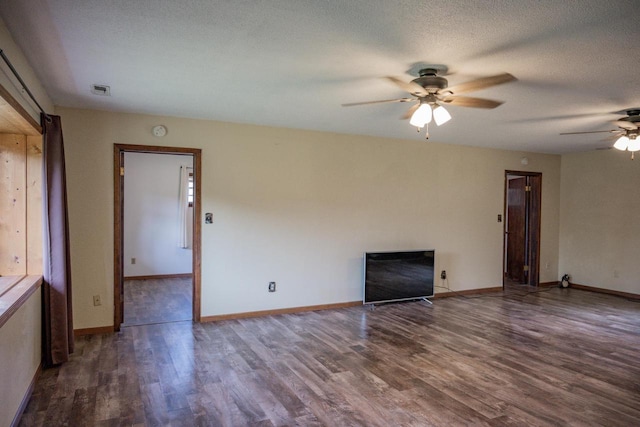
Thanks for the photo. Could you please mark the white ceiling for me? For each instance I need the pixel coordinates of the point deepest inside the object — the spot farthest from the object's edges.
(292, 63)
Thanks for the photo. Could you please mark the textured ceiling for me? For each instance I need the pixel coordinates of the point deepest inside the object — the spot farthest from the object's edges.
(292, 63)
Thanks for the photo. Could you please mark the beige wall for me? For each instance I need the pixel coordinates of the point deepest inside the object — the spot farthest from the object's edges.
(600, 220)
(300, 208)
(20, 343)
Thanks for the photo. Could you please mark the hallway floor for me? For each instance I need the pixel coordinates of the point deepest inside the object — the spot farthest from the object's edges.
(157, 301)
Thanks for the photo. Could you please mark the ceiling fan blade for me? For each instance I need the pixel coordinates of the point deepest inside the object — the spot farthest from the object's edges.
(352, 104)
(480, 83)
(411, 87)
(410, 112)
(626, 124)
(613, 137)
(593, 131)
(468, 101)
(633, 118)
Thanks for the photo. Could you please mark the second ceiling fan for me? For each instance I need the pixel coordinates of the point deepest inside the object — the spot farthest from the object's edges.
(627, 135)
(431, 92)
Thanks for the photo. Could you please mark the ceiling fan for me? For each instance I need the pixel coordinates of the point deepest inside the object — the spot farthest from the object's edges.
(431, 92)
(627, 134)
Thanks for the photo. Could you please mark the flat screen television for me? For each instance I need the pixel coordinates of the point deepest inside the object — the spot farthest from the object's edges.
(398, 276)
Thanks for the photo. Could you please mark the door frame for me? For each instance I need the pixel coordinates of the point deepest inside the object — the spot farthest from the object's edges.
(118, 222)
(534, 209)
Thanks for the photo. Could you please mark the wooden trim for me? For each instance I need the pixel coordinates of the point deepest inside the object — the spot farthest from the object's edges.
(15, 297)
(503, 266)
(196, 245)
(34, 152)
(196, 267)
(605, 291)
(160, 276)
(467, 292)
(16, 116)
(93, 331)
(291, 310)
(535, 227)
(549, 284)
(156, 149)
(26, 397)
(521, 173)
(8, 282)
(118, 260)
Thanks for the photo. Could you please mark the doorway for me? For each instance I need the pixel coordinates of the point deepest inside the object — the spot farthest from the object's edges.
(521, 254)
(192, 280)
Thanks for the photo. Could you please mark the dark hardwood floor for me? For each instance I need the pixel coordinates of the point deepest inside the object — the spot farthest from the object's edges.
(157, 301)
(554, 357)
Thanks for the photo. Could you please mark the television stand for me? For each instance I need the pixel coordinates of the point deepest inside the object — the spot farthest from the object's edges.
(372, 306)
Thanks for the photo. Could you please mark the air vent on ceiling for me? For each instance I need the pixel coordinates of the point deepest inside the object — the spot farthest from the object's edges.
(102, 90)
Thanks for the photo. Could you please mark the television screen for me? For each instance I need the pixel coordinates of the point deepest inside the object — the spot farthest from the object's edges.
(397, 276)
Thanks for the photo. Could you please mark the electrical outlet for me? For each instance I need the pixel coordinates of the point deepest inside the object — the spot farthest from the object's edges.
(443, 275)
(272, 286)
(133, 260)
(96, 300)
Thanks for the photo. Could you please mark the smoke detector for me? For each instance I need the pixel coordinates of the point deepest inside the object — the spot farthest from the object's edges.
(102, 90)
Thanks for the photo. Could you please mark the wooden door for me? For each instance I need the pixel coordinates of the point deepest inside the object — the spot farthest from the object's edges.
(534, 183)
(516, 229)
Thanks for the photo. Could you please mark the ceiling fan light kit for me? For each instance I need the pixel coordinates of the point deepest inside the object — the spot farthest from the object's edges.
(422, 116)
(622, 143)
(441, 115)
(634, 144)
(431, 91)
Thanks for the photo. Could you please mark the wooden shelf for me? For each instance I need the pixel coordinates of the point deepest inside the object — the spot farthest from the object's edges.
(11, 300)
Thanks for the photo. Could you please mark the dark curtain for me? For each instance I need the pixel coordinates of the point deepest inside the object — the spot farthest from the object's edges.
(56, 301)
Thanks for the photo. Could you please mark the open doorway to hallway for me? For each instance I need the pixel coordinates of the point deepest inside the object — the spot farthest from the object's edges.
(156, 234)
(158, 224)
(521, 255)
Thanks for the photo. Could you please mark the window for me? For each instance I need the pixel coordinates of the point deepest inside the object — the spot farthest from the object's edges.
(190, 190)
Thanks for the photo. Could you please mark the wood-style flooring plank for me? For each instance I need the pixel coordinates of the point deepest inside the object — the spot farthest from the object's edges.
(545, 358)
